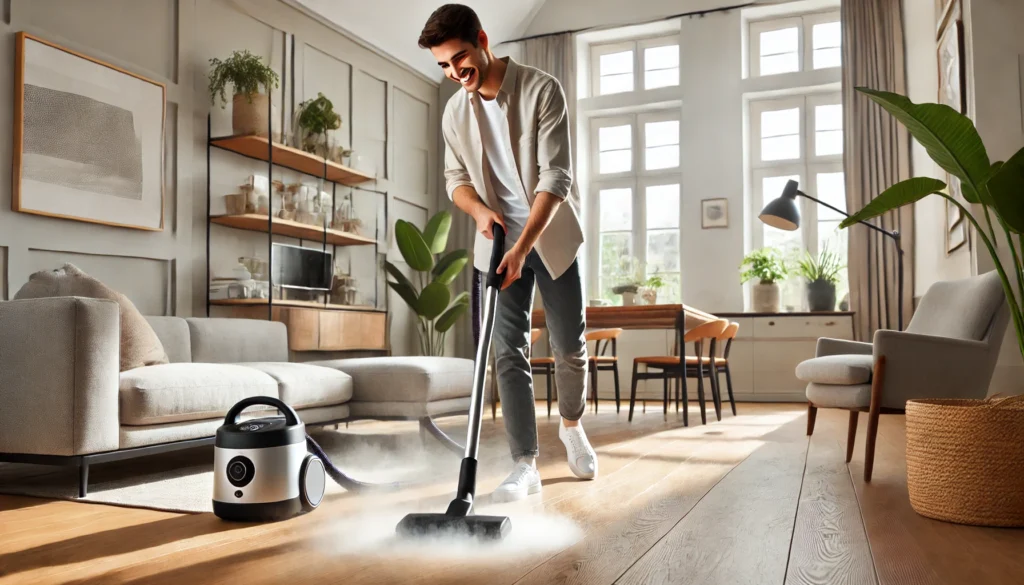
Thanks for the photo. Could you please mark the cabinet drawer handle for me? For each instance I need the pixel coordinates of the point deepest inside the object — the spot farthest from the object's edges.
(829, 323)
(771, 323)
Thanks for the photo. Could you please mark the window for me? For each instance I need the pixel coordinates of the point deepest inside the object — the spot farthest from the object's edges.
(800, 139)
(626, 67)
(788, 45)
(638, 201)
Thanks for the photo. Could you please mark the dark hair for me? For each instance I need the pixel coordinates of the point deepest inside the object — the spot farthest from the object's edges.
(451, 21)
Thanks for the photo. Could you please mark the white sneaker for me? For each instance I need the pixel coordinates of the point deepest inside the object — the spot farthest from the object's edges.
(523, 481)
(582, 458)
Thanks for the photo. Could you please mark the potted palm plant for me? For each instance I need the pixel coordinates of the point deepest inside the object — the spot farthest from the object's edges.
(822, 274)
(767, 266)
(247, 74)
(428, 293)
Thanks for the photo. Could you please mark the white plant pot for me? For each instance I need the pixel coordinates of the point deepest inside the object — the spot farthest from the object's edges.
(628, 299)
(766, 298)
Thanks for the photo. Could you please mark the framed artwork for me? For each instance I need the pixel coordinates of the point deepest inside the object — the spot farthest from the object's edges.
(714, 213)
(88, 139)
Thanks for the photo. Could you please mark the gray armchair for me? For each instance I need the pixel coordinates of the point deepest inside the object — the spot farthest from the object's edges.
(949, 350)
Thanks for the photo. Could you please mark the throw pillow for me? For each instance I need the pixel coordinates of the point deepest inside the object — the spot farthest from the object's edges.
(140, 345)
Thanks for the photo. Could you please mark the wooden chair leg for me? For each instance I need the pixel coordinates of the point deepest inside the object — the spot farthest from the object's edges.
(632, 393)
(877, 380)
(812, 413)
(851, 435)
(615, 372)
(728, 384)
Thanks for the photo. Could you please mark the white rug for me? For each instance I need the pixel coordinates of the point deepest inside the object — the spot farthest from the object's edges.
(183, 481)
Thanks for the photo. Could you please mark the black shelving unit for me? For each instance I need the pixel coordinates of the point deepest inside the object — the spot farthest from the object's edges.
(303, 163)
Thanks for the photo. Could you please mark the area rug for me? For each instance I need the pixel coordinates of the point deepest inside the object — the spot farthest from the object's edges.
(183, 481)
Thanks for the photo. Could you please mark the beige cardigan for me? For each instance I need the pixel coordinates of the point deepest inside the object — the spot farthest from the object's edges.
(538, 124)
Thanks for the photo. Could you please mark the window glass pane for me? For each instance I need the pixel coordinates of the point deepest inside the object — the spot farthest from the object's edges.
(615, 247)
(616, 161)
(614, 138)
(829, 117)
(613, 63)
(784, 63)
(663, 206)
(831, 190)
(780, 122)
(616, 209)
(775, 42)
(830, 142)
(779, 148)
(836, 241)
(616, 83)
(662, 251)
(661, 157)
(826, 34)
(661, 57)
(827, 58)
(661, 133)
(661, 78)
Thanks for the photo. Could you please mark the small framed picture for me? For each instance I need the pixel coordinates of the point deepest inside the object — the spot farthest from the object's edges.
(714, 213)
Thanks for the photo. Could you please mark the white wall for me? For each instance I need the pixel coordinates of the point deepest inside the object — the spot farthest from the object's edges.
(931, 262)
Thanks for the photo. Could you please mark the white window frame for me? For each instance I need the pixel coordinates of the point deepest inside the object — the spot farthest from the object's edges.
(805, 39)
(641, 51)
(767, 105)
(641, 130)
(595, 153)
(637, 46)
(812, 101)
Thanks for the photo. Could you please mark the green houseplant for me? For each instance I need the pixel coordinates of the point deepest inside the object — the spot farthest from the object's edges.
(822, 275)
(428, 293)
(768, 267)
(995, 189)
(247, 74)
(314, 119)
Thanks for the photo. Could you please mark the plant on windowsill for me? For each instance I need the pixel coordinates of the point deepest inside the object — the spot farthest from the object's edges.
(431, 297)
(768, 267)
(314, 118)
(247, 74)
(822, 275)
(649, 290)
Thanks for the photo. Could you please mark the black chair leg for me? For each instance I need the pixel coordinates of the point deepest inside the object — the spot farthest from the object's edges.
(700, 396)
(716, 399)
(549, 374)
(728, 384)
(83, 478)
(686, 400)
(632, 393)
(615, 372)
(664, 399)
(593, 383)
(675, 383)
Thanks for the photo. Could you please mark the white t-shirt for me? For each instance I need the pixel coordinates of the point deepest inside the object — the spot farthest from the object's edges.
(500, 170)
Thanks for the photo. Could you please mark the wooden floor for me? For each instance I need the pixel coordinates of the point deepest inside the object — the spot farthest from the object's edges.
(748, 500)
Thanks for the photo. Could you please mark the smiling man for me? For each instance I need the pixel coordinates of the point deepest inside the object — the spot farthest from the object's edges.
(507, 161)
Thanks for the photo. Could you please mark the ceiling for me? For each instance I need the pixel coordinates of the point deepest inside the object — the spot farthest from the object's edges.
(393, 26)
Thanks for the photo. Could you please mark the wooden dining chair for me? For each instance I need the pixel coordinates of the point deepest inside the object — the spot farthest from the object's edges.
(599, 361)
(673, 367)
(712, 365)
(722, 363)
(542, 365)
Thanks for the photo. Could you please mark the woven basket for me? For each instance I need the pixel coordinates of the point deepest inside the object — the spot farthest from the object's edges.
(965, 460)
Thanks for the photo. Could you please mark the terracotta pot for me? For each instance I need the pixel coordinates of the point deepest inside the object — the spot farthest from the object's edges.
(248, 119)
(766, 298)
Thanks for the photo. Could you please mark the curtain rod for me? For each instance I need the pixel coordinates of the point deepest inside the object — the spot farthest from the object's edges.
(699, 13)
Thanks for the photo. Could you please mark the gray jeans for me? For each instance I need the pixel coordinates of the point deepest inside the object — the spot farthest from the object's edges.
(566, 321)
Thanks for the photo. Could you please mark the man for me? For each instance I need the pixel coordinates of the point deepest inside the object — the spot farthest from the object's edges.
(507, 161)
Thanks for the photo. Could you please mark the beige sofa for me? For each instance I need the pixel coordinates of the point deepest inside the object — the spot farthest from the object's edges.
(64, 402)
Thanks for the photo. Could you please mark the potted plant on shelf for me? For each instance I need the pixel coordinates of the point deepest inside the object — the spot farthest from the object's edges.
(247, 74)
(428, 292)
(768, 267)
(822, 274)
(313, 119)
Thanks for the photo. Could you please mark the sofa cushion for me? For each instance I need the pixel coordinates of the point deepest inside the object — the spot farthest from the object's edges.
(230, 341)
(181, 392)
(305, 386)
(833, 396)
(174, 335)
(406, 379)
(836, 369)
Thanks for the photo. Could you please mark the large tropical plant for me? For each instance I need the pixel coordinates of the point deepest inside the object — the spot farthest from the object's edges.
(428, 293)
(997, 189)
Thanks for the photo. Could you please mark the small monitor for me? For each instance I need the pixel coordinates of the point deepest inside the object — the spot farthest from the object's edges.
(303, 268)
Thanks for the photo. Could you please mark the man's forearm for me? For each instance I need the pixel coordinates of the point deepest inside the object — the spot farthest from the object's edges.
(543, 209)
(466, 199)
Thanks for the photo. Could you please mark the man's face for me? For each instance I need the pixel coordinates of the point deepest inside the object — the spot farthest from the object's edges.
(462, 62)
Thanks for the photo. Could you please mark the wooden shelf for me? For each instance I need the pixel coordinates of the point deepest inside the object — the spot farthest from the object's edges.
(297, 160)
(293, 229)
(291, 303)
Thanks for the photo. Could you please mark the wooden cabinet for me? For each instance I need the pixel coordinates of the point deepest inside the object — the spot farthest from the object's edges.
(312, 329)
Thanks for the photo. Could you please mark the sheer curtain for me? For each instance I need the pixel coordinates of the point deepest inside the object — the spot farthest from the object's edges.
(877, 155)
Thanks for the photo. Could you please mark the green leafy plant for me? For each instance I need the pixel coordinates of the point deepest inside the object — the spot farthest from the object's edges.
(953, 142)
(244, 71)
(826, 267)
(317, 117)
(766, 265)
(430, 296)
(655, 282)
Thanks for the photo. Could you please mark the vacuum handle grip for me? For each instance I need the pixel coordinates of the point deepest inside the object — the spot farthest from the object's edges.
(497, 253)
(289, 414)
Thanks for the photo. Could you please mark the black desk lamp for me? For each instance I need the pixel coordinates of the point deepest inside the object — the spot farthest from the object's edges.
(784, 214)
